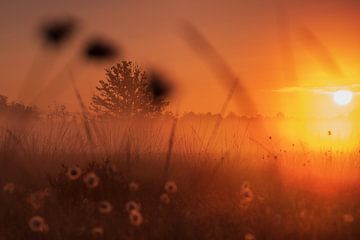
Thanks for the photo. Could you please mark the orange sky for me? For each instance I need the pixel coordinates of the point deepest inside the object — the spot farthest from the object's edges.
(246, 33)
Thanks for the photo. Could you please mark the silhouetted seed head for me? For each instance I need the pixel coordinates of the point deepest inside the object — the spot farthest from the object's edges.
(97, 232)
(135, 217)
(91, 180)
(170, 187)
(9, 187)
(131, 205)
(37, 224)
(105, 207)
(73, 173)
(56, 32)
(158, 86)
(100, 50)
(249, 236)
(133, 187)
(165, 199)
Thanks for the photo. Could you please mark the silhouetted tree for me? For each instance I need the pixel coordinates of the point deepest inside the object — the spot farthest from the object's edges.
(127, 90)
(280, 115)
(17, 109)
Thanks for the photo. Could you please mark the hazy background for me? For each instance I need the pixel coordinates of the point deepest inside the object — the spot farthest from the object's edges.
(247, 33)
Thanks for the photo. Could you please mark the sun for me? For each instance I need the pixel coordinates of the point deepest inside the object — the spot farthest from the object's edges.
(342, 97)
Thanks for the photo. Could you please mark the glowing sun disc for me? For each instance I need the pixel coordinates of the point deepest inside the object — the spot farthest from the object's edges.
(342, 97)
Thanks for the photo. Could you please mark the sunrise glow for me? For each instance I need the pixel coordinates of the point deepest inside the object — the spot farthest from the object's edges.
(182, 119)
(342, 97)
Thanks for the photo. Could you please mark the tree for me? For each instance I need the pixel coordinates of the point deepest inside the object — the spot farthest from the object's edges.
(17, 109)
(127, 90)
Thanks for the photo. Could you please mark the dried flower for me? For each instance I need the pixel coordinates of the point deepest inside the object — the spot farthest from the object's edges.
(171, 187)
(73, 173)
(37, 224)
(165, 199)
(105, 207)
(131, 205)
(91, 180)
(135, 217)
(246, 196)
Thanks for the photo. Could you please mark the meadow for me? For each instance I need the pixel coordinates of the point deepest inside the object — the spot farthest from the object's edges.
(152, 171)
(245, 183)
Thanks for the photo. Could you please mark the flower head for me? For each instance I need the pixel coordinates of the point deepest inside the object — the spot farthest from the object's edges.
(246, 196)
(132, 205)
(105, 207)
(170, 187)
(165, 199)
(73, 173)
(135, 217)
(133, 186)
(37, 224)
(91, 180)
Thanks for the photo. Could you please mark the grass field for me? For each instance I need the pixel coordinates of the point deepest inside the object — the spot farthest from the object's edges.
(245, 185)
